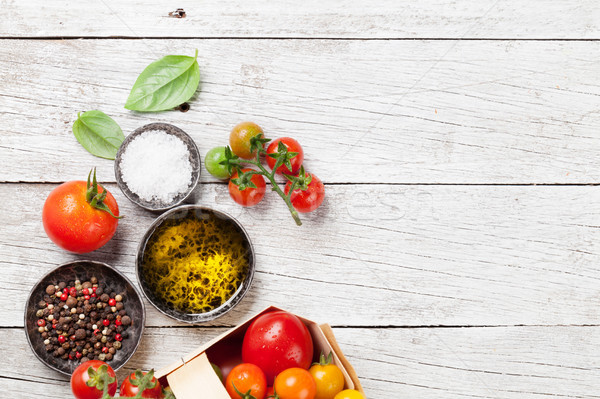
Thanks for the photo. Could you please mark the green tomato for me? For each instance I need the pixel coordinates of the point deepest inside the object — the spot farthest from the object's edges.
(218, 371)
(211, 162)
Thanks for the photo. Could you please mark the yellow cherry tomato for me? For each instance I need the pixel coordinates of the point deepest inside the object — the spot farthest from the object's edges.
(349, 394)
(239, 139)
(329, 378)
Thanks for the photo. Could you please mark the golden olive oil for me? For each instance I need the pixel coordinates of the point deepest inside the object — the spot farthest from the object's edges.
(194, 262)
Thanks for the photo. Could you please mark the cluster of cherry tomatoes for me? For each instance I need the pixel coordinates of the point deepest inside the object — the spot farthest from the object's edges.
(274, 362)
(284, 156)
(276, 357)
(92, 378)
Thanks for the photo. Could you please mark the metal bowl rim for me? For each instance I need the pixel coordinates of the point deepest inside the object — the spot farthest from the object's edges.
(238, 297)
(98, 263)
(125, 144)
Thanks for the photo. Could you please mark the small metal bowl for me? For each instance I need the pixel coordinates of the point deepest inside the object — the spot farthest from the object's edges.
(195, 161)
(200, 212)
(83, 270)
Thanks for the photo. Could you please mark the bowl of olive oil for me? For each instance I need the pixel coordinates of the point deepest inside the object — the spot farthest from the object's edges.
(195, 263)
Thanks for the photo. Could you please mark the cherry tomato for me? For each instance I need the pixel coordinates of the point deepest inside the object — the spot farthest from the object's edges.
(246, 379)
(270, 392)
(349, 394)
(239, 139)
(276, 341)
(295, 383)
(292, 146)
(329, 378)
(309, 199)
(73, 224)
(249, 196)
(80, 377)
(211, 162)
(129, 390)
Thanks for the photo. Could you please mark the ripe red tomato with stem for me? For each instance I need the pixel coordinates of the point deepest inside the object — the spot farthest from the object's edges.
(246, 381)
(247, 190)
(295, 383)
(80, 217)
(89, 380)
(131, 385)
(290, 146)
(276, 341)
(308, 194)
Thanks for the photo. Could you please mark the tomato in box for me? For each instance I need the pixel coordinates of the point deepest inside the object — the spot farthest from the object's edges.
(276, 341)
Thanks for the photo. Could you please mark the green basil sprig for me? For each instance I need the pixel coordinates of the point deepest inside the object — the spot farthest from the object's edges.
(98, 133)
(165, 84)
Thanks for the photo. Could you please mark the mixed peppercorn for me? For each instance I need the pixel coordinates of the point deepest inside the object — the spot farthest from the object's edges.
(82, 321)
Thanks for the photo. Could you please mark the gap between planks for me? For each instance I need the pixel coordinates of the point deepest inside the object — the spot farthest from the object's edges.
(358, 38)
(375, 327)
(369, 184)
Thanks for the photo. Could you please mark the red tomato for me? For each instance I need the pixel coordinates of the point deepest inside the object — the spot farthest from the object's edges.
(309, 199)
(292, 146)
(249, 196)
(270, 392)
(246, 379)
(276, 341)
(73, 224)
(129, 390)
(295, 383)
(80, 377)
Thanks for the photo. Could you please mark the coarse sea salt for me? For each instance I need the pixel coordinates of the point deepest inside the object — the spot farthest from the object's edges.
(156, 166)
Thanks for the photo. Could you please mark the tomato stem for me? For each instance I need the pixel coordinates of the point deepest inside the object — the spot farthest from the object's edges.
(96, 199)
(282, 157)
(275, 187)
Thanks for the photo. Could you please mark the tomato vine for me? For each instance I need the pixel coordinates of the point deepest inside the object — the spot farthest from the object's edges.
(281, 157)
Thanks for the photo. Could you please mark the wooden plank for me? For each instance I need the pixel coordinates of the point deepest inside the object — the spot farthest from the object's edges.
(377, 255)
(449, 363)
(367, 111)
(375, 19)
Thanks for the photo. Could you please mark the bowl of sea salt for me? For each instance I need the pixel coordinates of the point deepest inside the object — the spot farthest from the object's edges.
(157, 166)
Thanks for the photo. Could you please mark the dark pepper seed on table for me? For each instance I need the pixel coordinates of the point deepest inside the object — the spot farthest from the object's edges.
(72, 322)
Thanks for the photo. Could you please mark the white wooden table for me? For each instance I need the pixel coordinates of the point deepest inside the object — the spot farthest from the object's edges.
(457, 254)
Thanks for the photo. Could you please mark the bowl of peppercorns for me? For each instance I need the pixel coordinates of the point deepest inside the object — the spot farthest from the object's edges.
(84, 310)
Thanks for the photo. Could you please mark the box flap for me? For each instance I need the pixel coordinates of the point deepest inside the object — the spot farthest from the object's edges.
(346, 367)
(195, 377)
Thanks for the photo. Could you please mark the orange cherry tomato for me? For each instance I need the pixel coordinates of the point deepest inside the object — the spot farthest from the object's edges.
(295, 383)
(246, 380)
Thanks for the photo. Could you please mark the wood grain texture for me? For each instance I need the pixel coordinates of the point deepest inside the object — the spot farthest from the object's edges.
(448, 363)
(339, 19)
(365, 111)
(377, 255)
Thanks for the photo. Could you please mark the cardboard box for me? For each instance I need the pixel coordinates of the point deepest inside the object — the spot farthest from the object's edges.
(193, 377)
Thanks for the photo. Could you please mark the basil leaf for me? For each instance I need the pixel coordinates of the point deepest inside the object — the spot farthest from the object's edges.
(98, 133)
(165, 84)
